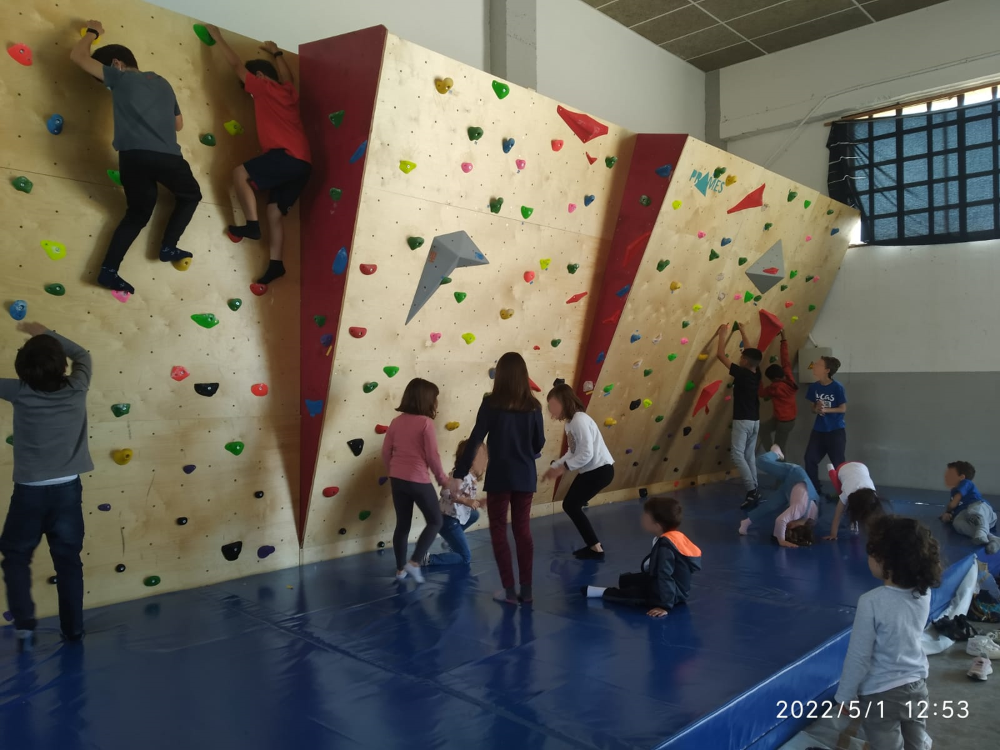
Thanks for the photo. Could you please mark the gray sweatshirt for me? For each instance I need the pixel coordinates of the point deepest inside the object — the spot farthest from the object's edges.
(50, 429)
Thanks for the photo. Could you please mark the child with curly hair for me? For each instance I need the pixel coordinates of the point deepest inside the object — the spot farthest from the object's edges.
(885, 667)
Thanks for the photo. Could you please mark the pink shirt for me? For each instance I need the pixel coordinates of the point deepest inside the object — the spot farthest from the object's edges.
(799, 506)
(410, 450)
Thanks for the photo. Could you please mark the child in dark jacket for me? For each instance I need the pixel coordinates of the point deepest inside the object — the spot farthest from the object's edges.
(664, 577)
(782, 392)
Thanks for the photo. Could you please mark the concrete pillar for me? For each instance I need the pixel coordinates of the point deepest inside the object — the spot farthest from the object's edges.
(514, 41)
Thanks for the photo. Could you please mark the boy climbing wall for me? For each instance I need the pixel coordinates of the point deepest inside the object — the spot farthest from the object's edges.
(284, 166)
(147, 119)
(746, 411)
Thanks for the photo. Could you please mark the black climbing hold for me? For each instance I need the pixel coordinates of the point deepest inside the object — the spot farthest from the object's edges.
(232, 550)
(206, 389)
(635, 463)
(635, 404)
(182, 521)
(259, 494)
(53, 579)
(381, 545)
(119, 568)
(342, 532)
(643, 492)
(356, 445)
(687, 431)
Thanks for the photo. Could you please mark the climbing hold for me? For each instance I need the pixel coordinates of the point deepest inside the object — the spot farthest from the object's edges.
(584, 126)
(122, 456)
(370, 386)
(634, 337)
(792, 195)
(336, 194)
(644, 200)
(742, 261)
(235, 447)
(792, 274)
(725, 241)
(259, 389)
(55, 250)
(468, 338)
(182, 521)
(753, 199)
(22, 183)
(10, 440)
(20, 53)
(340, 261)
(435, 337)
(452, 426)
(466, 167)
(202, 33)
(608, 388)
(635, 404)
(719, 171)
(696, 308)
(178, 373)
(784, 287)
(659, 418)
(712, 255)
(233, 128)
(319, 320)
(207, 139)
(368, 269)
(415, 242)
(529, 276)
(788, 304)
(475, 133)
(120, 410)
(119, 568)
(674, 286)
(623, 291)
(115, 176)
(390, 370)
(655, 448)
(573, 267)
(520, 164)
(571, 207)
(590, 158)
(264, 550)
(662, 264)
(314, 407)
(587, 200)
(496, 204)
(235, 304)
(806, 203)
(600, 357)
(526, 212)
(55, 124)
(555, 342)
(337, 118)
(56, 290)
(685, 323)
(232, 550)
(747, 297)
(812, 307)
(183, 264)
(676, 204)
(809, 278)
(646, 403)
(443, 85)
(356, 331)
(609, 422)
(610, 161)
(702, 357)
(795, 318)
(330, 491)
(808, 238)
(730, 179)
(151, 581)
(406, 166)
(767, 226)
(506, 313)
(684, 342)
(501, 89)
(834, 231)
(205, 320)
(459, 296)
(18, 309)
(508, 144)
(206, 389)
(342, 531)
(556, 145)
(364, 515)
(258, 290)
(189, 468)
(104, 507)
(664, 171)
(359, 153)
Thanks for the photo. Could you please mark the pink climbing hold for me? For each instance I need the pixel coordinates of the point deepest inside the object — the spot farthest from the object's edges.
(808, 237)
(576, 298)
(584, 126)
(529, 276)
(435, 337)
(815, 279)
(521, 163)
(466, 167)
(571, 207)
(259, 389)
(701, 235)
(788, 304)
(684, 341)
(178, 373)
(121, 296)
(557, 145)
(259, 289)
(591, 159)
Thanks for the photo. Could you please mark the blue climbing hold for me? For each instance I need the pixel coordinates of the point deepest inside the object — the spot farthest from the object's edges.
(265, 550)
(493, 373)
(508, 144)
(665, 171)
(315, 408)
(600, 358)
(104, 507)
(326, 340)
(19, 309)
(359, 152)
(55, 124)
(635, 337)
(588, 199)
(725, 241)
(834, 231)
(189, 468)
(340, 262)
(623, 291)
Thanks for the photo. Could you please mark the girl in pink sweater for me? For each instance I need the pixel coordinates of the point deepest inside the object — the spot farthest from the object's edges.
(410, 454)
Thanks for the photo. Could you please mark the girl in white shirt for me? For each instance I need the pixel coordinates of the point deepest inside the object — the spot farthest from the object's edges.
(857, 495)
(794, 526)
(586, 453)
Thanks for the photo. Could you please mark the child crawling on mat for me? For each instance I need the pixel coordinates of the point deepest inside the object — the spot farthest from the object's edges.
(664, 577)
(857, 495)
(967, 511)
(794, 527)
(460, 511)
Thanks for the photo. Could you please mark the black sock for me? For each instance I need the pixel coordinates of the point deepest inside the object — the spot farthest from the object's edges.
(275, 270)
(168, 254)
(109, 279)
(250, 230)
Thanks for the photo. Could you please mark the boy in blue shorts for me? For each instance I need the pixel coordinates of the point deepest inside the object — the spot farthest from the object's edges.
(285, 162)
(829, 434)
(967, 511)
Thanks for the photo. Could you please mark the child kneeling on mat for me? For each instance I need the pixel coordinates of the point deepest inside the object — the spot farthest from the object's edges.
(857, 495)
(968, 512)
(460, 511)
(664, 577)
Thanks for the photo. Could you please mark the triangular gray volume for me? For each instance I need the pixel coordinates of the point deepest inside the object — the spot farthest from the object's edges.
(769, 269)
(448, 252)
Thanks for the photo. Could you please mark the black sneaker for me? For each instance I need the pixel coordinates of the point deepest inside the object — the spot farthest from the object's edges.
(752, 500)
(578, 552)
(589, 554)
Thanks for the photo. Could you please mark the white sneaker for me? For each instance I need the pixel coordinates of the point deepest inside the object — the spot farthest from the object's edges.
(776, 450)
(414, 570)
(980, 645)
(401, 575)
(855, 528)
(994, 635)
(981, 668)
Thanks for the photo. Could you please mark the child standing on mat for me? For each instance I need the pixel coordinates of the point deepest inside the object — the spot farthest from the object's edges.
(967, 511)
(512, 418)
(829, 434)
(746, 411)
(782, 391)
(587, 454)
(50, 453)
(885, 668)
(460, 511)
(664, 577)
(146, 118)
(793, 527)
(856, 494)
(285, 162)
(410, 454)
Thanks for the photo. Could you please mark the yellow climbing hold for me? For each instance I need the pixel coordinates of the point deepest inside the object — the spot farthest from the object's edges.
(468, 338)
(506, 313)
(730, 180)
(702, 357)
(406, 166)
(544, 263)
(609, 422)
(183, 264)
(646, 403)
(55, 250)
(443, 85)
(233, 128)
(122, 457)
(452, 426)
(795, 318)
(676, 205)
(696, 308)
(674, 286)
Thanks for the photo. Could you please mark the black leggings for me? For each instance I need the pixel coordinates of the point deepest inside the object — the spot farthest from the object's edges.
(581, 492)
(404, 496)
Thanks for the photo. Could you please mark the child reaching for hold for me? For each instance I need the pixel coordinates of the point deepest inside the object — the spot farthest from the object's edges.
(794, 527)
(968, 512)
(746, 411)
(664, 577)
(857, 494)
(885, 666)
(460, 511)
(782, 392)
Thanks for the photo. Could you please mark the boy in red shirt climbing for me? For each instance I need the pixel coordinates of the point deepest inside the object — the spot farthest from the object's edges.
(782, 392)
(284, 165)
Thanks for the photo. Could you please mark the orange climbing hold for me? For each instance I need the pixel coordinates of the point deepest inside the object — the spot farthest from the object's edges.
(584, 126)
(754, 199)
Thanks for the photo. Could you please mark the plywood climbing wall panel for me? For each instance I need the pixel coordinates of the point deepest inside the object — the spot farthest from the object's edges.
(136, 344)
(693, 278)
(545, 244)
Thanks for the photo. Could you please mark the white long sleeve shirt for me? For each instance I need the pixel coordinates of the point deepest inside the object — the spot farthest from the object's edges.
(587, 450)
(799, 506)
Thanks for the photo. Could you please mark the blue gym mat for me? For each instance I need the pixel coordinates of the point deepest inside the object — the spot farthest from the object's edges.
(338, 655)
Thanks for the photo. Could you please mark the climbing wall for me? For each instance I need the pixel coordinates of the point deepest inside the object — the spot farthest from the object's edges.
(728, 241)
(188, 490)
(418, 146)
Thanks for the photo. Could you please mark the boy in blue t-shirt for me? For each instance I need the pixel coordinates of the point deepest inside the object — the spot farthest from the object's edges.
(968, 512)
(829, 435)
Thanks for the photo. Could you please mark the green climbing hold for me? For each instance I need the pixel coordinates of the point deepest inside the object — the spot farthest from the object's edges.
(120, 410)
(608, 388)
(812, 308)
(445, 280)
(370, 386)
(671, 357)
(319, 320)
(689, 386)
(527, 212)
(10, 440)
(792, 195)
(496, 204)
(501, 89)
(646, 373)
(662, 264)
(719, 171)
(56, 290)
(656, 447)
(205, 320)
(235, 304)
(414, 242)
(573, 267)
(659, 418)
(757, 298)
(115, 176)
(792, 274)
(153, 580)
(644, 200)
(555, 342)
(22, 184)
(475, 134)
(337, 118)
(829, 212)
(747, 297)
(390, 370)
(205, 37)
(235, 447)
(712, 255)
(207, 139)
(460, 296)
(610, 161)
(807, 203)
(336, 194)
(685, 323)
(742, 261)
(809, 278)
(364, 515)
(767, 226)
(784, 287)
(773, 359)
(736, 326)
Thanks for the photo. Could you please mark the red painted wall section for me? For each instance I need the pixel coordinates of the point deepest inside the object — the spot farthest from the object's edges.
(338, 75)
(652, 155)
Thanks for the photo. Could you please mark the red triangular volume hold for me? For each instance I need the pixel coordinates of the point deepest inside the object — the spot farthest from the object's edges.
(585, 126)
(706, 395)
(534, 386)
(751, 200)
(769, 327)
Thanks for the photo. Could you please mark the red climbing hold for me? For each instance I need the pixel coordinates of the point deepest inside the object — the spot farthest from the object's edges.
(557, 145)
(178, 373)
(21, 53)
(330, 491)
(357, 332)
(772, 270)
(368, 268)
(788, 304)
(614, 318)
(706, 395)
(381, 429)
(259, 389)
(259, 289)
(635, 245)
(576, 298)
(536, 348)
(590, 158)
(769, 327)
(534, 386)
(529, 276)
(585, 126)
(753, 199)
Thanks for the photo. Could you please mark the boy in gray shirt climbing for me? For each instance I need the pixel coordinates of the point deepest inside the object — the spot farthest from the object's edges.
(50, 453)
(147, 119)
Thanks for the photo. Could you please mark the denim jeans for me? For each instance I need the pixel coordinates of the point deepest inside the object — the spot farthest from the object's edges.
(789, 475)
(745, 433)
(453, 532)
(57, 512)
